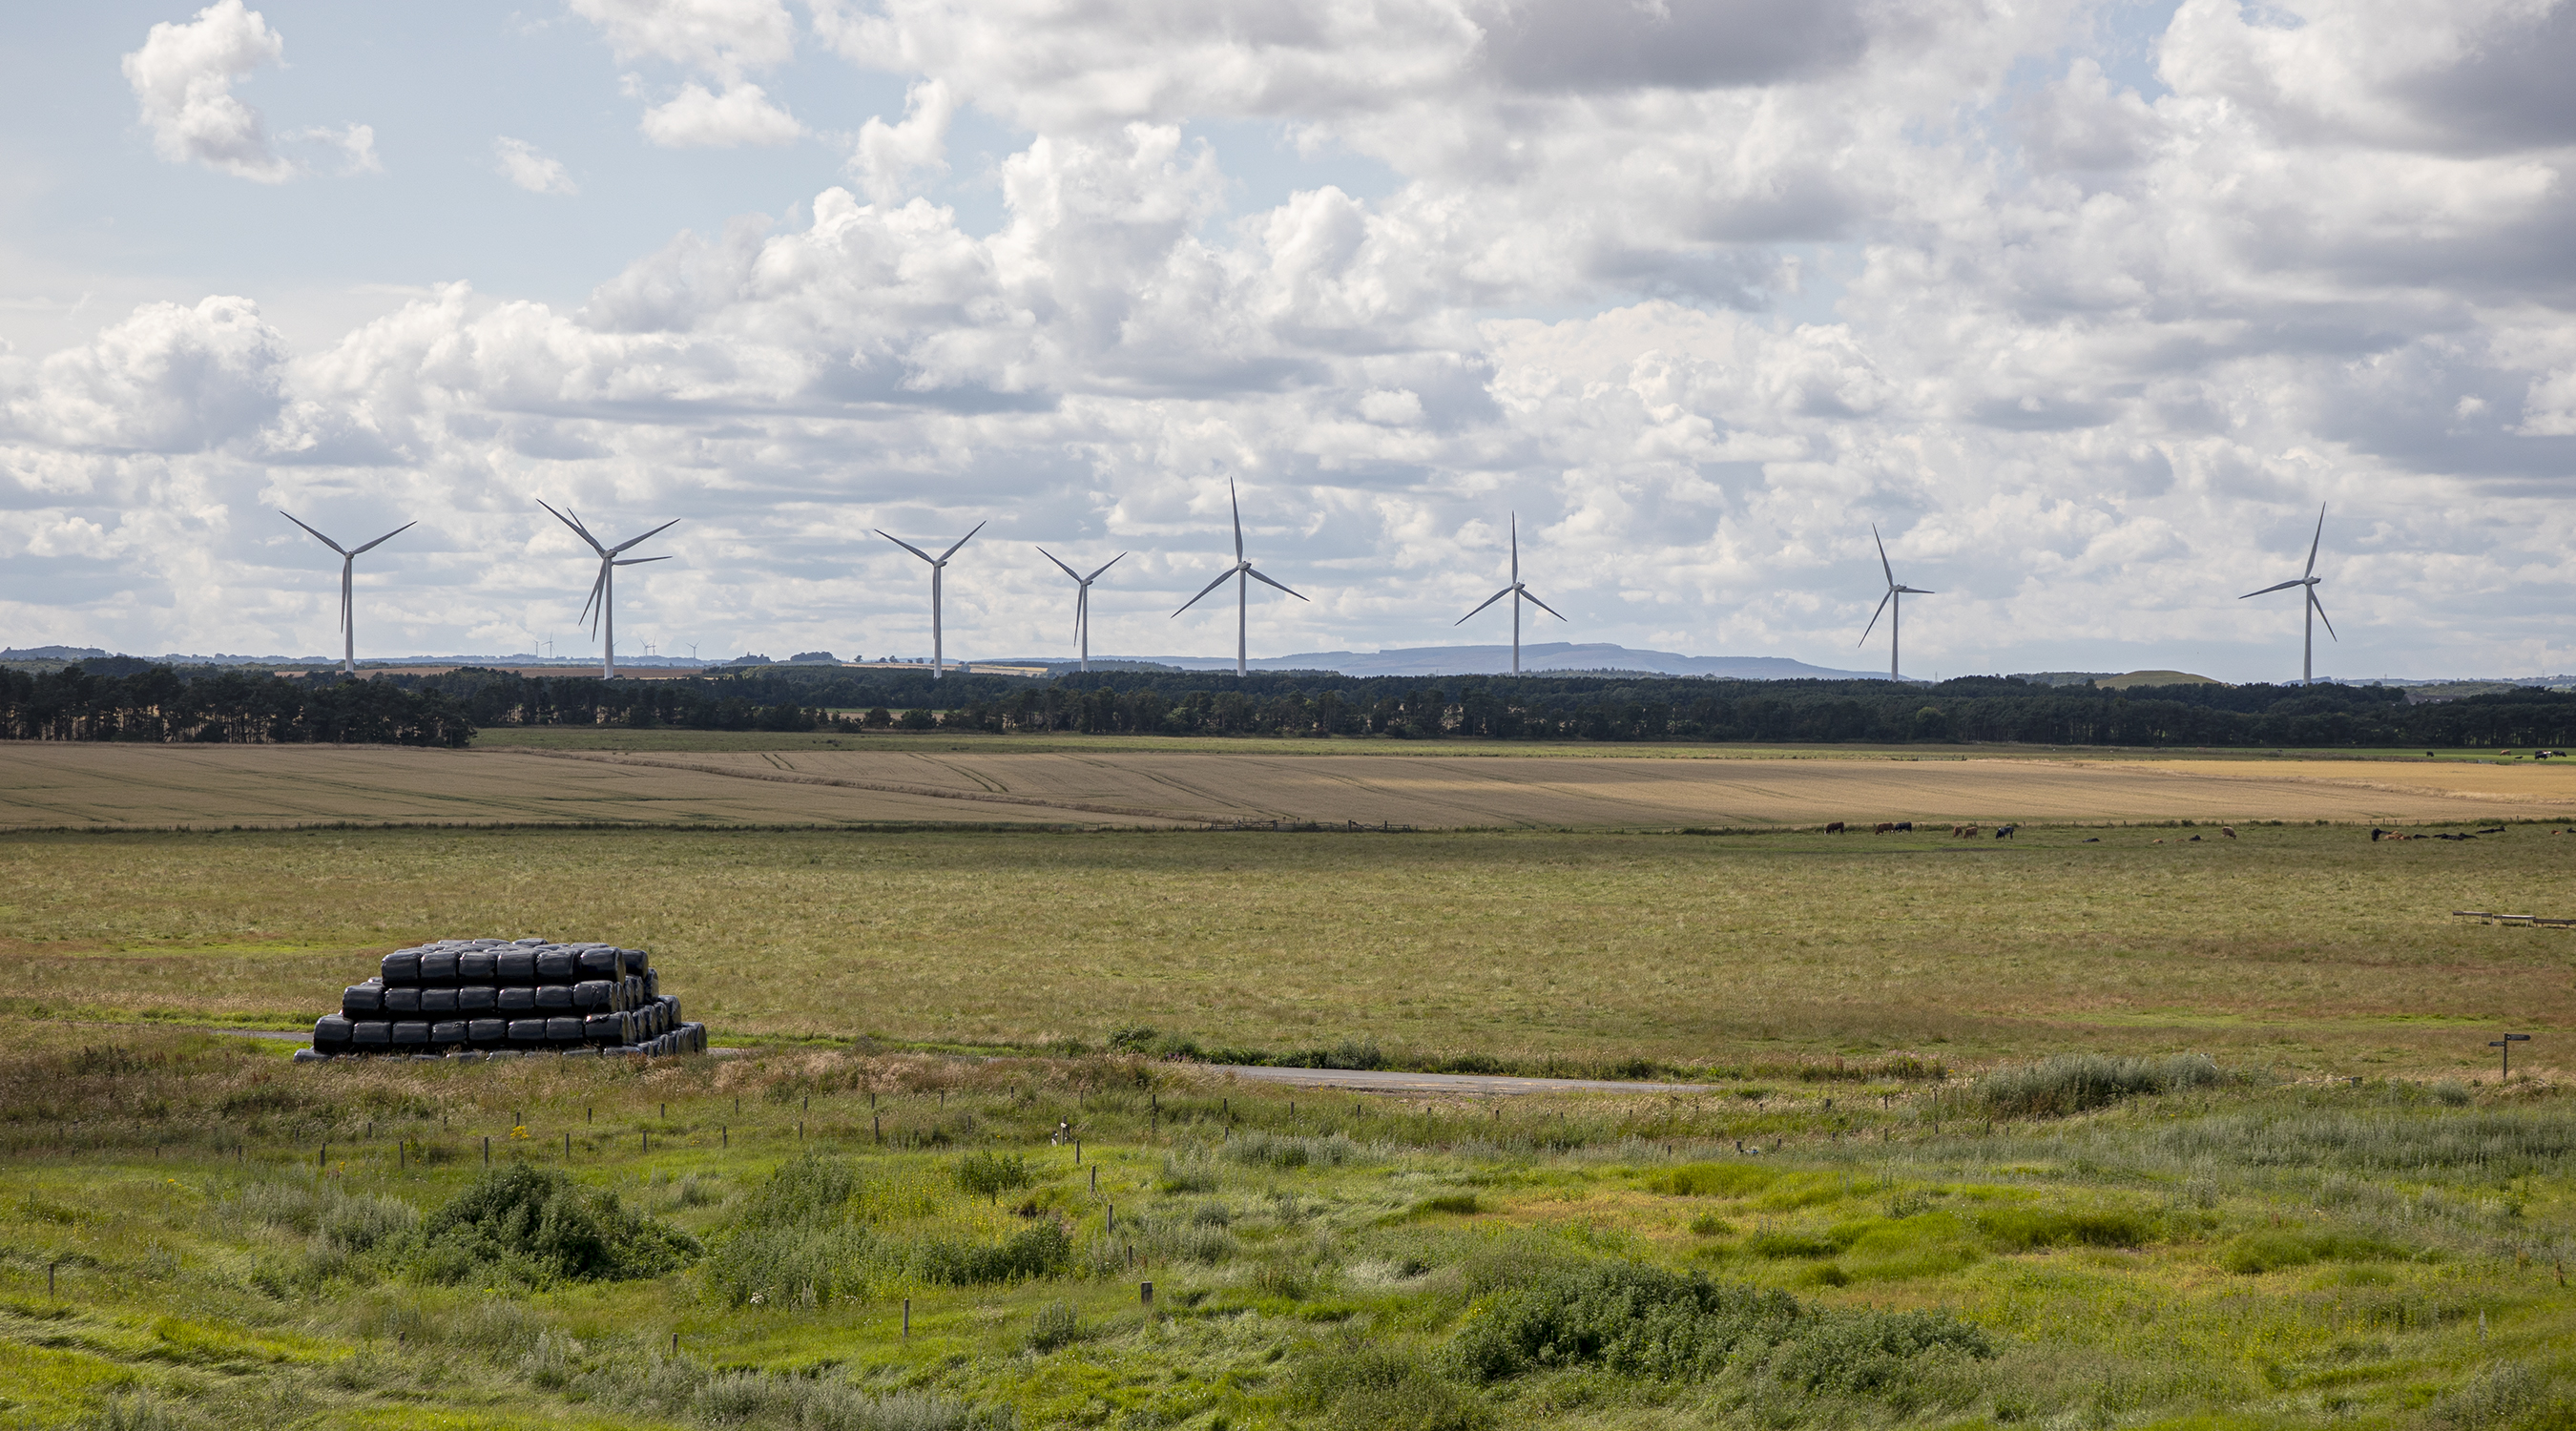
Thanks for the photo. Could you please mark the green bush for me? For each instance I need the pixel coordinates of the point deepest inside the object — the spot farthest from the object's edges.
(1640, 1321)
(1376, 1389)
(2270, 1251)
(993, 1174)
(1052, 1327)
(2074, 1082)
(1042, 1251)
(538, 1225)
(812, 1190)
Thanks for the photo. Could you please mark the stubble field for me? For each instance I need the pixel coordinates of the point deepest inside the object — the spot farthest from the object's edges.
(680, 782)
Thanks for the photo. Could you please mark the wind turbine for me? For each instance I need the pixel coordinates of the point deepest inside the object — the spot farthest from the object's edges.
(1240, 570)
(1518, 593)
(938, 566)
(603, 592)
(348, 563)
(2316, 610)
(1081, 601)
(1896, 591)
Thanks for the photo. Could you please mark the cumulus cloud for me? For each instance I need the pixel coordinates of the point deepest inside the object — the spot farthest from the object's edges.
(699, 119)
(1699, 291)
(531, 169)
(184, 76)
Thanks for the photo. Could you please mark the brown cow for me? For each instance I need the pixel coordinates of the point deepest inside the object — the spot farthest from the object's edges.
(1885, 826)
(1835, 828)
(2228, 830)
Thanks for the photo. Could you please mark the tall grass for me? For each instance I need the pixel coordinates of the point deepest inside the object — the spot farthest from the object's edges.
(2076, 1082)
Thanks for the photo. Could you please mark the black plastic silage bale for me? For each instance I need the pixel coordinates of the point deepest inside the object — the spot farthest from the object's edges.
(593, 996)
(374, 1033)
(438, 1000)
(438, 968)
(411, 1033)
(475, 966)
(601, 1029)
(362, 1001)
(449, 1033)
(401, 967)
(487, 1033)
(525, 1032)
(514, 966)
(331, 1033)
(402, 1000)
(564, 1030)
(602, 961)
(558, 965)
(476, 999)
(515, 999)
(555, 998)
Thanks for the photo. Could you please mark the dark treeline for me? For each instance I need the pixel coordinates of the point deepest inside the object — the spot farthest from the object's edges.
(163, 703)
(158, 704)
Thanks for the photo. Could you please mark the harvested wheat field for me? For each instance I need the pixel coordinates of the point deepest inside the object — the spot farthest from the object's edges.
(109, 786)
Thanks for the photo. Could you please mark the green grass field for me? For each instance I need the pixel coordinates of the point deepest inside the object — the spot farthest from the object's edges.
(236, 1242)
(2303, 948)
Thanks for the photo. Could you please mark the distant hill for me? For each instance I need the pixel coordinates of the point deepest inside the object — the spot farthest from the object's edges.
(1497, 660)
(2153, 678)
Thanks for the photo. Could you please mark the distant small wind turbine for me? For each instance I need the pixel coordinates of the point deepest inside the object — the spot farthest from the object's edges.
(2316, 610)
(938, 567)
(348, 564)
(603, 592)
(1896, 617)
(1081, 601)
(1242, 592)
(1518, 593)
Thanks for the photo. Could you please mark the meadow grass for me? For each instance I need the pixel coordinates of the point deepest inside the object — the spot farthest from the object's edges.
(240, 1242)
(2296, 947)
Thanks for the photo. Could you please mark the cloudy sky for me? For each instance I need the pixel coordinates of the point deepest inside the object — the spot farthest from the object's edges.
(2089, 307)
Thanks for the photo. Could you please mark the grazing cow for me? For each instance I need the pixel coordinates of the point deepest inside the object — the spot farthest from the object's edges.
(1964, 832)
(1835, 828)
(2006, 832)
(1905, 826)
(2377, 834)
(2193, 840)
(2155, 842)
(2228, 830)
(2095, 840)
(1883, 827)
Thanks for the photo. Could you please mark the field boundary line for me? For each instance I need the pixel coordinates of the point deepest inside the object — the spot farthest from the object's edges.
(888, 787)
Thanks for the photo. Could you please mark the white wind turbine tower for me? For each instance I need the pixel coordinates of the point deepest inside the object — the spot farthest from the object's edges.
(603, 592)
(1896, 592)
(2316, 610)
(938, 567)
(1518, 593)
(1081, 601)
(1242, 592)
(348, 609)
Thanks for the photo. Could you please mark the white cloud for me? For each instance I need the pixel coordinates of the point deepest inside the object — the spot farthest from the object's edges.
(698, 119)
(2089, 357)
(887, 155)
(183, 78)
(525, 165)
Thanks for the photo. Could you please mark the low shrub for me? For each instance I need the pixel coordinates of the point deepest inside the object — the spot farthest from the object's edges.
(1187, 1173)
(537, 1225)
(2021, 1229)
(1054, 1326)
(1377, 1389)
(351, 1222)
(2074, 1082)
(2272, 1250)
(1281, 1150)
(1640, 1321)
(993, 1174)
(1042, 1251)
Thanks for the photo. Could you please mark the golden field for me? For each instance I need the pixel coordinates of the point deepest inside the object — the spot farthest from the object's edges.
(57, 786)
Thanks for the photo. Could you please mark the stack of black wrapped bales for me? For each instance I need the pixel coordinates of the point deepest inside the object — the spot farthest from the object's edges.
(489, 997)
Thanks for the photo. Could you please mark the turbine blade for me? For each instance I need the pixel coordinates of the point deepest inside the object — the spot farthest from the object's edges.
(639, 561)
(389, 536)
(2321, 613)
(2284, 586)
(326, 541)
(1059, 565)
(907, 546)
(596, 587)
(1516, 548)
(1873, 617)
(961, 541)
(578, 528)
(1104, 566)
(2313, 541)
(1488, 601)
(1265, 581)
(1237, 500)
(1211, 586)
(1915, 591)
(648, 536)
(1882, 556)
(1543, 606)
